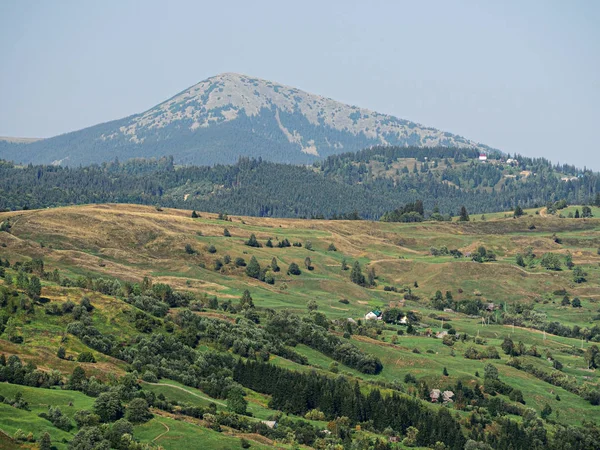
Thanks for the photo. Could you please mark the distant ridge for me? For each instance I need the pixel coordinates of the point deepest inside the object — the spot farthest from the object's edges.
(231, 115)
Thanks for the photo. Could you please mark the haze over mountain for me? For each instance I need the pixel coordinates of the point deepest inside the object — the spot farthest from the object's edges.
(232, 115)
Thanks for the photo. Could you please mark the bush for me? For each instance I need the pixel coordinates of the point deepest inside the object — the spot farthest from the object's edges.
(239, 262)
(293, 269)
(87, 357)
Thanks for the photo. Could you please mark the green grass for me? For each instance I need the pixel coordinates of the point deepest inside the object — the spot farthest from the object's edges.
(400, 253)
(12, 419)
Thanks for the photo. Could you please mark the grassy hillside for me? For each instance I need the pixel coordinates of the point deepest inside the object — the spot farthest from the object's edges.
(129, 243)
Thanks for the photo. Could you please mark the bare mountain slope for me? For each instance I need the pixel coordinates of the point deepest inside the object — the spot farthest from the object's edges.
(232, 115)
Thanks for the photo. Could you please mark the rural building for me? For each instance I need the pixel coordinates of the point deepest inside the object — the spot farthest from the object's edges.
(483, 157)
(373, 315)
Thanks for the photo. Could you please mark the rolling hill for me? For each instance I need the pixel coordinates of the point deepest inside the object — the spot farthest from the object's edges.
(232, 115)
(125, 282)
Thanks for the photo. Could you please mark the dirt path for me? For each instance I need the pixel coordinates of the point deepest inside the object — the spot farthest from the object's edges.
(530, 273)
(162, 434)
(187, 392)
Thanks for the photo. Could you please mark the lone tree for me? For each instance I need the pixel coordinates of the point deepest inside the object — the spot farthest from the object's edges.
(356, 275)
(546, 411)
(226, 232)
(45, 442)
(371, 276)
(246, 301)
(294, 269)
(463, 215)
(518, 211)
(195, 215)
(345, 264)
(253, 268)
(274, 265)
(308, 263)
(252, 242)
(579, 275)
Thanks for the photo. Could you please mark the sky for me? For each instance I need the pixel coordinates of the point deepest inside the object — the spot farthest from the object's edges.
(520, 76)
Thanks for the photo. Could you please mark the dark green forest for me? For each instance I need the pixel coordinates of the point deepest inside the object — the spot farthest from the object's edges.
(341, 186)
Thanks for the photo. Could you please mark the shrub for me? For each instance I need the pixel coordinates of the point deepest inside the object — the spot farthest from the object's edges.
(86, 357)
(293, 269)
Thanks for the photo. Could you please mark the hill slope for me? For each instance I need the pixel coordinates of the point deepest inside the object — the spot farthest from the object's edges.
(223, 117)
(162, 293)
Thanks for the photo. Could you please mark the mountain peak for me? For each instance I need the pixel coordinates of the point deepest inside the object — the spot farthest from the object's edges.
(231, 115)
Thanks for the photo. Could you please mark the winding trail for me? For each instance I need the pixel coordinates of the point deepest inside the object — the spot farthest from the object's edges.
(162, 434)
(187, 392)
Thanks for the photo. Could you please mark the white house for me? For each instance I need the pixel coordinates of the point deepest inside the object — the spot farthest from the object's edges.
(373, 315)
(483, 157)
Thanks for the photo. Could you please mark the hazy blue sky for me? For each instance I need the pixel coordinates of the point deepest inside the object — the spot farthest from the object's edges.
(521, 76)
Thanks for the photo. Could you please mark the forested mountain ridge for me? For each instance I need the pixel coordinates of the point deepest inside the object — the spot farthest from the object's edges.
(366, 184)
(232, 115)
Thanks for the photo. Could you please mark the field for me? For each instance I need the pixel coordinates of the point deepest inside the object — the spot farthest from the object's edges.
(131, 242)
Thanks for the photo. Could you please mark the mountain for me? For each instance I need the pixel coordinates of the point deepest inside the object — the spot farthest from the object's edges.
(232, 115)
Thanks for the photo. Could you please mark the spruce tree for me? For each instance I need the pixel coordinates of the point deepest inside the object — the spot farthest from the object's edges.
(518, 211)
(464, 215)
(253, 268)
(274, 265)
(45, 442)
(252, 242)
(345, 264)
(195, 215)
(371, 276)
(246, 300)
(356, 275)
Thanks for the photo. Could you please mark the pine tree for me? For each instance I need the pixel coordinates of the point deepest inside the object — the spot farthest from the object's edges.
(226, 232)
(246, 300)
(356, 275)
(445, 372)
(463, 215)
(253, 268)
(345, 264)
(518, 211)
(274, 265)
(252, 242)
(45, 442)
(371, 276)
